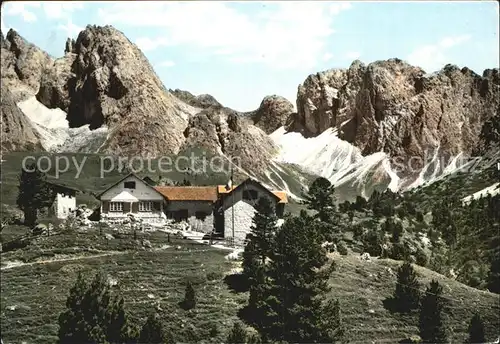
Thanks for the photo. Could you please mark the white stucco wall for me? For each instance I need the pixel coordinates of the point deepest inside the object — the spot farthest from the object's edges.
(142, 192)
(244, 211)
(63, 204)
(243, 215)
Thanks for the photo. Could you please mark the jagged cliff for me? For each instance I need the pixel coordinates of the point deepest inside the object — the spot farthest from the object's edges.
(18, 133)
(397, 108)
(104, 83)
(104, 79)
(22, 65)
(224, 131)
(273, 113)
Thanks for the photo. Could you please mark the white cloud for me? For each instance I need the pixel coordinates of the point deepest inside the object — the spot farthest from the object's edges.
(432, 57)
(70, 29)
(52, 9)
(146, 43)
(327, 56)
(353, 55)
(22, 9)
(449, 42)
(60, 9)
(283, 34)
(3, 24)
(167, 64)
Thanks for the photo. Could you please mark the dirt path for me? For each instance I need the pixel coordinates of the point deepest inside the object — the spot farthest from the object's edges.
(15, 264)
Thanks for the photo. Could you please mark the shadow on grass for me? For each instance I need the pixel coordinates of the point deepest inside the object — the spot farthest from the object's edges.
(186, 305)
(237, 283)
(393, 305)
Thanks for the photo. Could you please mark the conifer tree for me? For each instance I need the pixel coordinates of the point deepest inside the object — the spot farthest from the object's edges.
(494, 273)
(189, 301)
(407, 293)
(320, 198)
(238, 334)
(294, 307)
(397, 231)
(259, 240)
(152, 332)
(94, 315)
(476, 330)
(34, 193)
(431, 324)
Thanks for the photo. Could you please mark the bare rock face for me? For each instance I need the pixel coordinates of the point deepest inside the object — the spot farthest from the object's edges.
(18, 133)
(22, 65)
(394, 107)
(104, 79)
(221, 130)
(273, 113)
(202, 101)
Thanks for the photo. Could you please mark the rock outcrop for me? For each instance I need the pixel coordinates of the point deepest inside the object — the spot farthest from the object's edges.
(221, 130)
(202, 101)
(397, 108)
(273, 113)
(22, 65)
(104, 79)
(18, 133)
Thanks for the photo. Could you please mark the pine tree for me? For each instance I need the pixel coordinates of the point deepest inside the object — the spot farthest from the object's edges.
(238, 334)
(476, 330)
(94, 315)
(320, 198)
(34, 193)
(494, 273)
(407, 293)
(397, 231)
(152, 332)
(294, 307)
(189, 301)
(431, 325)
(260, 238)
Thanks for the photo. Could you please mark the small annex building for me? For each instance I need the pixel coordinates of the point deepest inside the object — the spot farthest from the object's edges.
(64, 200)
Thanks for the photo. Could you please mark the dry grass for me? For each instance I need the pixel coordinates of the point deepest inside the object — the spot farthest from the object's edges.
(148, 279)
(155, 279)
(362, 287)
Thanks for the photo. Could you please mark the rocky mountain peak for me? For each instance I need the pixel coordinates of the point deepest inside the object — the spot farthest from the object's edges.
(274, 111)
(22, 65)
(104, 79)
(18, 133)
(202, 101)
(395, 107)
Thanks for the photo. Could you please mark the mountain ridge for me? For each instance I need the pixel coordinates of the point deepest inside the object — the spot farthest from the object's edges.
(104, 81)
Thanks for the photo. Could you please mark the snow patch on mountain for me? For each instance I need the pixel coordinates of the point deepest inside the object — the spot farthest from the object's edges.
(338, 161)
(438, 168)
(325, 154)
(491, 190)
(55, 133)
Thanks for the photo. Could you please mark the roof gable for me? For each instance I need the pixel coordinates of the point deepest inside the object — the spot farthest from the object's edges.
(131, 174)
(259, 185)
(282, 195)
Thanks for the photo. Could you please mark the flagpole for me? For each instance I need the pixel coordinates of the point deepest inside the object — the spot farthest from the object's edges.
(232, 201)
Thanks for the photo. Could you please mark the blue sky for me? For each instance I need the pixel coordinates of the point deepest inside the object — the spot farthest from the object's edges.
(240, 52)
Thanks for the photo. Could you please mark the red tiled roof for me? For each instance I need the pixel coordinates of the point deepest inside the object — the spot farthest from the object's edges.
(188, 193)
